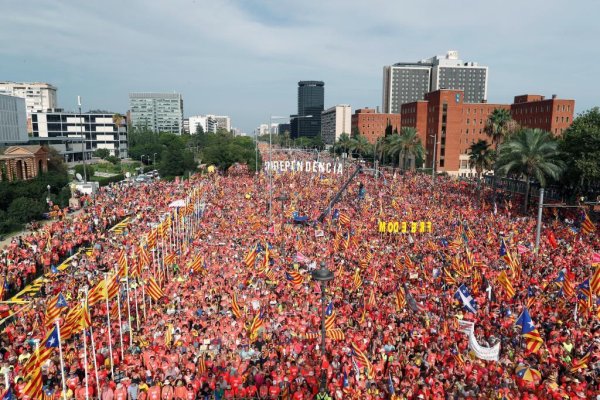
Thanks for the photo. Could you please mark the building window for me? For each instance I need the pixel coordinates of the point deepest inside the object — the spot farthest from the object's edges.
(441, 163)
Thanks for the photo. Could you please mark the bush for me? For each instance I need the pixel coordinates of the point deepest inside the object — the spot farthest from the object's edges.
(89, 168)
(23, 209)
(113, 159)
(102, 153)
(104, 181)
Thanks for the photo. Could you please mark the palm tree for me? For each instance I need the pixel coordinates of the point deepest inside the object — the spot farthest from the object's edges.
(344, 143)
(407, 143)
(497, 124)
(531, 153)
(394, 147)
(481, 157)
(117, 119)
(413, 148)
(361, 145)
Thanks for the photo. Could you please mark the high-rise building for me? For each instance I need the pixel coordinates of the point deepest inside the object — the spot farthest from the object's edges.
(38, 96)
(65, 131)
(223, 122)
(209, 123)
(13, 120)
(334, 122)
(372, 124)
(445, 117)
(159, 112)
(311, 100)
(407, 82)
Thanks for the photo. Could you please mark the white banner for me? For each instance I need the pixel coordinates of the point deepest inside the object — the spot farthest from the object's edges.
(484, 353)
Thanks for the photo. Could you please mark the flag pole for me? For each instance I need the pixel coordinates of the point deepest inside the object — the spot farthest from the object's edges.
(110, 349)
(85, 357)
(62, 363)
(137, 315)
(128, 301)
(94, 357)
(120, 321)
(143, 300)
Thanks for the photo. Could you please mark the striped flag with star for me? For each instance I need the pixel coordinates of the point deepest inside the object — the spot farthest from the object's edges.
(362, 359)
(587, 226)
(533, 340)
(54, 308)
(250, 258)
(235, 307)
(329, 317)
(583, 362)
(295, 277)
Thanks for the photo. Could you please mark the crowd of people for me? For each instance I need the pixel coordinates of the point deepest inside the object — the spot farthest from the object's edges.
(240, 317)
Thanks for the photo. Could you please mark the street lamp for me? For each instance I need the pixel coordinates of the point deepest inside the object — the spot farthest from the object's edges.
(433, 158)
(48, 198)
(273, 117)
(154, 161)
(83, 140)
(323, 275)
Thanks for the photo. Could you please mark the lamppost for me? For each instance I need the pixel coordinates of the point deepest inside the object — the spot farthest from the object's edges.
(48, 197)
(83, 140)
(323, 275)
(154, 159)
(433, 158)
(274, 117)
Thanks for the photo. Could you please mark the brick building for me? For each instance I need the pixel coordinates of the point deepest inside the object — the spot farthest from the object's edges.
(23, 162)
(372, 124)
(445, 117)
(534, 111)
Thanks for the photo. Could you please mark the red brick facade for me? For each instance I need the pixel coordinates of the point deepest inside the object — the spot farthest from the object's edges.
(552, 115)
(456, 125)
(372, 124)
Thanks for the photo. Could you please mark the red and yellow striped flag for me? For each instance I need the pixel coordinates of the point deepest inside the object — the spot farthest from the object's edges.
(506, 284)
(235, 308)
(154, 290)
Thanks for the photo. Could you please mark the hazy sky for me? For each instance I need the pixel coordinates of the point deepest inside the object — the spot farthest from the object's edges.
(244, 58)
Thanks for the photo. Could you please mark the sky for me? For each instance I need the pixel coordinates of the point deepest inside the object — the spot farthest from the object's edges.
(243, 58)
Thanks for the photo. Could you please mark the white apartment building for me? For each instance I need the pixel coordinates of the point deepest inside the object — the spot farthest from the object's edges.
(38, 96)
(335, 121)
(407, 82)
(208, 123)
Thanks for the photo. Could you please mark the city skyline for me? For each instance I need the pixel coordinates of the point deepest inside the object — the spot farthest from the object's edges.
(245, 61)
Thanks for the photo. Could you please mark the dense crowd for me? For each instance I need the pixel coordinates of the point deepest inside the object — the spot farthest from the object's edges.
(244, 321)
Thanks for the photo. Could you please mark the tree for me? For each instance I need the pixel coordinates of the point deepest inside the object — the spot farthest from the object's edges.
(199, 129)
(226, 151)
(361, 146)
(25, 209)
(412, 146)
(102, 153)
(481, 157)
(581, 147)
(343, 144)
(117, 119)
(389, 130)
(497, 124)
(531, 153)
